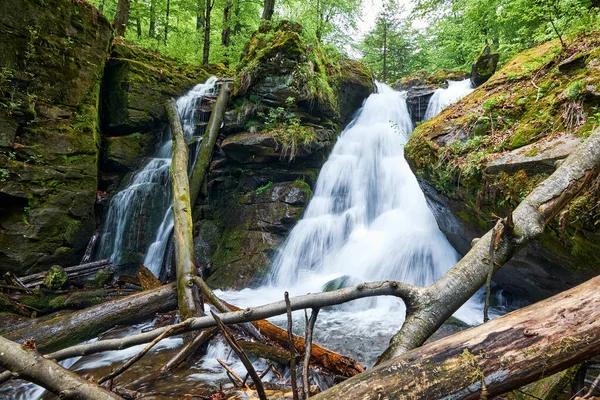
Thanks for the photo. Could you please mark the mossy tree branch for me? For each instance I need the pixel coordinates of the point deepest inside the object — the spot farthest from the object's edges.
(188, 299)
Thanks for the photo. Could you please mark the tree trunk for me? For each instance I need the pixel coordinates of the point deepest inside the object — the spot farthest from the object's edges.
(206, 47)
(226, 34)
(138, 23)
(152, 27)
(188, 299)
(208, 142)
(268, 9)
(75, 272)
(122, 17)
(80, 326)
(167, 20)
(28, 364)
(494, 358)
(440, 300)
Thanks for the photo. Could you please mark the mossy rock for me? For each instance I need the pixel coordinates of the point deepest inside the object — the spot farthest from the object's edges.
(489, 150)
(52, 57)
(484, 66)
(55, 278)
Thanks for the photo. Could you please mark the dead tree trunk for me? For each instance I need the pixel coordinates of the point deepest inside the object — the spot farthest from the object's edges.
(208, 142)
(82, 325)
(439, 301)
(494, 358)
(188, 299)
(28, 364)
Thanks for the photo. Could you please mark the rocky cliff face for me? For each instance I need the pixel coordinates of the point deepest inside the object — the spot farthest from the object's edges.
(483, 155)
(291, 103)
(52, 56)
(136, 86)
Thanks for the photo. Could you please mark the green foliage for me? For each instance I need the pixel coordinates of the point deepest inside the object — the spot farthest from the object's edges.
(4, 173)
(261, 189)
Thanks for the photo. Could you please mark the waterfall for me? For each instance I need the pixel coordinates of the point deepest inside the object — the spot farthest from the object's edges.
(139, 219)
(442, 98)
(368, 221)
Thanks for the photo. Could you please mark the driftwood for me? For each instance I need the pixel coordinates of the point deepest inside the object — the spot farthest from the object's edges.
(293, 379)
(28, 364)
(494, 358)
(188, 299)
(433, 305)
(310, 326)
(75, 272)
(208, 142)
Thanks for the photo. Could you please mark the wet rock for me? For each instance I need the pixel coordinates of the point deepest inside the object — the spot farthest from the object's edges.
(484, 66)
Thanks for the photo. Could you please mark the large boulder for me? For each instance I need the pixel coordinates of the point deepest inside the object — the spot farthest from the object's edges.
(484, 66)
(483, 155)
(52, 56)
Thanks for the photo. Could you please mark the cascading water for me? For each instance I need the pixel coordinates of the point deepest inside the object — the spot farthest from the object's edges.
(139, 220)
(368, 221)
(442, 98)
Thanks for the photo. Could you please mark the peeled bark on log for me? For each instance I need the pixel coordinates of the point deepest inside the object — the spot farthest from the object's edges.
(28, 364)
(208, 142)
(188, 299)
(494, 358)
(83, 325)
(436, 303)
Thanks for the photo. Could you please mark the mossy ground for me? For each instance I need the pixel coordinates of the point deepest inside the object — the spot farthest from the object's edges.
(530, 100)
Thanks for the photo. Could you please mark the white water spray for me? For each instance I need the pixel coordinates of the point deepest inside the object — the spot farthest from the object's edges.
(442, 98)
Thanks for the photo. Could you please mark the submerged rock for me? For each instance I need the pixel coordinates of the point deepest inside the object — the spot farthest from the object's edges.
(483, 155)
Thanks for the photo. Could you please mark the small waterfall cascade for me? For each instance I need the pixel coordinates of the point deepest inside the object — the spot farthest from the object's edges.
(367, 221)
(442, 98)
(139, 221)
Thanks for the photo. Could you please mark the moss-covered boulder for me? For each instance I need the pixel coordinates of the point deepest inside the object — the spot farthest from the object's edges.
(484, 66)
(278, 64)
(52, 56)
(421, 85)
(126, 153)
(483, 155)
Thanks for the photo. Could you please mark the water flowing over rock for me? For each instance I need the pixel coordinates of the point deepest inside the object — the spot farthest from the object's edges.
(139, 221)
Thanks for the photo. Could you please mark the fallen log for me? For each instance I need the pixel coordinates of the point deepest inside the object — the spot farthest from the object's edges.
(24, 362)
(208, 142)
(494, 358)
(80, 326)
(77, 271)
(436, 303)
(188, 299)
